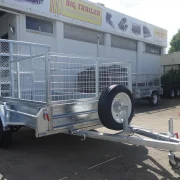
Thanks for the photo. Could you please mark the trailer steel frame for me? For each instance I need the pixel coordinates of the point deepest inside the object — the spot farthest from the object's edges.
(165, 141)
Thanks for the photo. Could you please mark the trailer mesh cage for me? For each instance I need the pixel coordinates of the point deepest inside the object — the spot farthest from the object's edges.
(57, 77)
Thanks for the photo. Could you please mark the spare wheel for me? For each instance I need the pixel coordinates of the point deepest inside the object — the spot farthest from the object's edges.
(110, 106)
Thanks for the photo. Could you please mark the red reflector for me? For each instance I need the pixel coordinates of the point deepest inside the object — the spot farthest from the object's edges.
(177, 135)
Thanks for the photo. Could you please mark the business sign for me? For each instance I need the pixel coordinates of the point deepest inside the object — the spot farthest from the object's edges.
(133, 28)
(77, 9)
(82, 11)
(112, 21)
(161, 33)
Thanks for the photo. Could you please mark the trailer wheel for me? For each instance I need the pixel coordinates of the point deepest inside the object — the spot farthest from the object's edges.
(5, 137)
(177, 165)
(110, 112)
(154, 99)
(172, 93)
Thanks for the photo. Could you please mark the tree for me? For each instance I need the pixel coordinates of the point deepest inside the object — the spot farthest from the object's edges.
(175, 43)
(171, 77)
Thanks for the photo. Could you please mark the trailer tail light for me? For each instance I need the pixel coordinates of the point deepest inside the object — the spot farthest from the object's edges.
(46, 115)
(177, 135)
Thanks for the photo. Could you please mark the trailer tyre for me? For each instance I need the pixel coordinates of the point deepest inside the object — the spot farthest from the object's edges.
(5, 137)
(110, 112)
(154, 99)
(177, 165)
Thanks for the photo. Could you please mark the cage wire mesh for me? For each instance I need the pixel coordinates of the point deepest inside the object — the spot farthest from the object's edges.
(113, 73)
(75, 77)
(4, 76)
(10, 51)
(31, 77)
(71, 77)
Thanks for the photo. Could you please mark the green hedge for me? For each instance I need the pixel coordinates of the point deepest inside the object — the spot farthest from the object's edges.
(171, 77)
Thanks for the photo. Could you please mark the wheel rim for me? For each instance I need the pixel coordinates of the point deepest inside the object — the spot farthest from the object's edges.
(172, 93)
(120, 100)
(155, 98)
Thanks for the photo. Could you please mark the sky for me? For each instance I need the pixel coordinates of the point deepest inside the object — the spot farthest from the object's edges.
(162, 13)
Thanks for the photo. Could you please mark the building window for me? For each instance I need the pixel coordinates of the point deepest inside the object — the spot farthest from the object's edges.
(123, 43)
(39, 25)
(82, 34)
(153, 49)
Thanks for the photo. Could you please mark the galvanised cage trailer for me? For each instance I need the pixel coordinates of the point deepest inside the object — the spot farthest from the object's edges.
(147, 87)
(51, 94)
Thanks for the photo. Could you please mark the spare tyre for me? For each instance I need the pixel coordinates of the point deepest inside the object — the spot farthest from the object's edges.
(110, 106)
